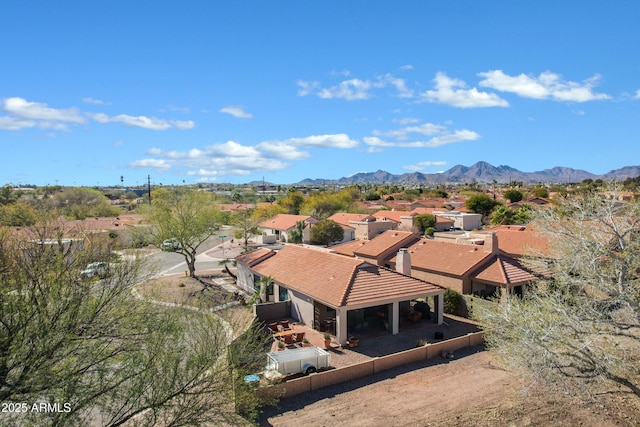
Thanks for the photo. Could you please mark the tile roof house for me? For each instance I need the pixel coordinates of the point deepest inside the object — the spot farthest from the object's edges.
(349, 223)
(281, 226)
(335, 293)
(405, 219)
(521, 240)
(470, 266)
(379, 249)
(363, 226)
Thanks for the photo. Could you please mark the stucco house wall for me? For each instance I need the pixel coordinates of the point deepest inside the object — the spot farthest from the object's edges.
(455, 283)
(463, 220)
(366, 230)
(245, 278)
(301, 307)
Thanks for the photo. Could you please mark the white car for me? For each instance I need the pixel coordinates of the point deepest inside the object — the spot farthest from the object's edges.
(95, 269)
(170, 245)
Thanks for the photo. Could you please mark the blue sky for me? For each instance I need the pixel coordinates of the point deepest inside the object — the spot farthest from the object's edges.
(222, 91)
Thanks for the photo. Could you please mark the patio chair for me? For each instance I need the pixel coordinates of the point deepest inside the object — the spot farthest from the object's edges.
(288, 339)
(273, 327)
(284, 324)
(299, 337)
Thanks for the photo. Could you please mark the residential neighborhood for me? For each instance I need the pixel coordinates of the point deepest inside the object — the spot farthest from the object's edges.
(397, 284)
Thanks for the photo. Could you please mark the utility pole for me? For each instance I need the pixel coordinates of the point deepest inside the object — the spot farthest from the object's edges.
(149, 187)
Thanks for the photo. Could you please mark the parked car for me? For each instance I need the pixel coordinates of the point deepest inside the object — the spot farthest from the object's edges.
(95, 269)
(170, 245)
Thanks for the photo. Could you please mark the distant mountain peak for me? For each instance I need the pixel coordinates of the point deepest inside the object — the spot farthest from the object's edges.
(481, 172)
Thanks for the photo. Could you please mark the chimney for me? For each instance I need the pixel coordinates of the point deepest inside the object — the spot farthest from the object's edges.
(491, 243)
(403, 262)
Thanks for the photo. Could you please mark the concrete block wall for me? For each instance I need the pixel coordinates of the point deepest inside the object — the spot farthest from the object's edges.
(379, 364)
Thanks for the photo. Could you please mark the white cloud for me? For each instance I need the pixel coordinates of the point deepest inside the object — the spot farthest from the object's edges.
(24, 114)
(406, 67)
(306, 87)
(420, 166)
(282, 150)
(547, 85)
(441, 135)
(145, 122)
(94, 101)
(338, 140)
(151, 163)
(14, 123)
(23, 109)
(400, 85)
(454, 92)
(233, 158)
(637, 95)
(355, 89)
(235, 111)
(406, 120)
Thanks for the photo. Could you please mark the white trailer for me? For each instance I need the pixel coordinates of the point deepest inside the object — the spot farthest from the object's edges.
(304, 360)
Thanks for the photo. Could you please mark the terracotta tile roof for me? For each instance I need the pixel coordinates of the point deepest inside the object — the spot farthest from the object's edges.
(253, 257)
(385, 241)
(505, 271)
(98, 224)
(390, 215)
(445, 257)
(422, 211)
(519, 240)
(430, 203)
(337, 280)
(378, 284)
(344, 218)
(395, 215)
(284, 222)
(321, 275)
(398, 205)
(348, 248)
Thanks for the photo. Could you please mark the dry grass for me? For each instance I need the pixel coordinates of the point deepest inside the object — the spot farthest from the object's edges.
(179, 289)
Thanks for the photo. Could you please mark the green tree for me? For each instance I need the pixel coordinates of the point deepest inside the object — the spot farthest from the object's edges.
(92, 346)
(6, 195)
(481, 203)
(265, 212)
(190, 218)
(579, 328)
(81, 203)
(502, 215)
(326, 232)
(246, 225)
(513, 195)
(539, 192)
(297, 233)
(17, 214)
(523, 215)
(293, 202)
(424, 222)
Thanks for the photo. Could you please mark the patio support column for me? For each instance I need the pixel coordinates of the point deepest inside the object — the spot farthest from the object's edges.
(276, 292)
(395, 318)
(439, 306)
(263, 292)
(341, 326)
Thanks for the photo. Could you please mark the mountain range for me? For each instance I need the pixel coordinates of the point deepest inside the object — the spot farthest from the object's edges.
(480, 172)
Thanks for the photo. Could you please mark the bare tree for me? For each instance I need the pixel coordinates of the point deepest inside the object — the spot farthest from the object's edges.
(100, 355)
(580, 326)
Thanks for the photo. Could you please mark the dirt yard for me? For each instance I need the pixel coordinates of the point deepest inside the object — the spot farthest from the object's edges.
(467, 391)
